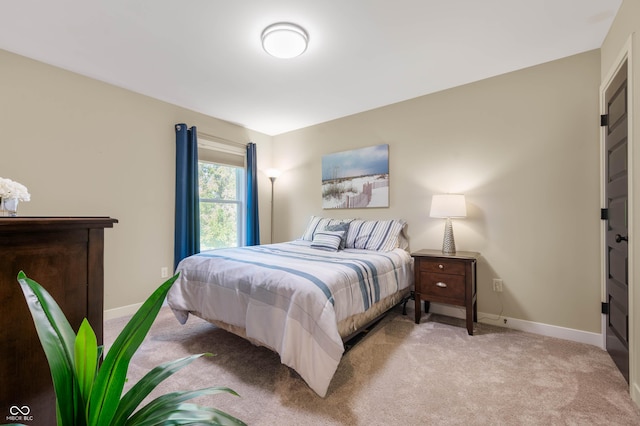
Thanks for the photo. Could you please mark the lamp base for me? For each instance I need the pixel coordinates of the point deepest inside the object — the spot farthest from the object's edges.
(448, 243)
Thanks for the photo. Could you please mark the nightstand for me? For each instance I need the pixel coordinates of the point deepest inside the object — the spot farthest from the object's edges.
(444, 278)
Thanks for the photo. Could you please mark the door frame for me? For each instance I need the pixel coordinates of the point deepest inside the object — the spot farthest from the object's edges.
(625, 54)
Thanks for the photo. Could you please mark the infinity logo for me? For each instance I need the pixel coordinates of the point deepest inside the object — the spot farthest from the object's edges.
(15, 410)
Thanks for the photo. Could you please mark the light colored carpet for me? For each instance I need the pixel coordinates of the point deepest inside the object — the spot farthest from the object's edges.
(399, 374)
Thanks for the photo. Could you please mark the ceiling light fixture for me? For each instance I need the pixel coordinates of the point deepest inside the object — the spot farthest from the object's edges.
(284, 40)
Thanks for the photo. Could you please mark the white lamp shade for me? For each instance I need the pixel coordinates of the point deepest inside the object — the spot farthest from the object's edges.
(448, 205)
(272, 173)
(284, 40)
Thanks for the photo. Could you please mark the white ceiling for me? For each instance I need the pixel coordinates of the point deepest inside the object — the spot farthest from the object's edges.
(205, 55)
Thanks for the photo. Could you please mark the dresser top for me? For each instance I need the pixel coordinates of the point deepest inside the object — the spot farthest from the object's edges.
(439, 254)
(32, 223)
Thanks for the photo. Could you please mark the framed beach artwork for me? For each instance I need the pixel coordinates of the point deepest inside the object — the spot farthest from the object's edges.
(356, 179)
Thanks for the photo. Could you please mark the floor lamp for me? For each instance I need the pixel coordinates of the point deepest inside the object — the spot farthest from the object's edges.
(447, 206)
(272, 174)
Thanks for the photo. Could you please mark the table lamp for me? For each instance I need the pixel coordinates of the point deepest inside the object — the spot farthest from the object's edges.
(448, 206)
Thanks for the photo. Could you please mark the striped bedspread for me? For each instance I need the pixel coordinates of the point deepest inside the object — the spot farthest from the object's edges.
(289, 297)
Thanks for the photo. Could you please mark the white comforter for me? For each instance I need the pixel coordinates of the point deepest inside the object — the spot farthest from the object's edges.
(289, 297)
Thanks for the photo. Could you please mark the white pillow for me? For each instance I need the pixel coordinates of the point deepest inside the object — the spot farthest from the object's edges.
(327, 240)
(380, 235)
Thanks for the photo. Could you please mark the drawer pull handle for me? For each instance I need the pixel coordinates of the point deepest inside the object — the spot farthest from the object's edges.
(441, 266)
(441, 285)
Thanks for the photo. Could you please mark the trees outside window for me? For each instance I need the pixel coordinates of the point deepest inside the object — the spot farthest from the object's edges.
(221, 205)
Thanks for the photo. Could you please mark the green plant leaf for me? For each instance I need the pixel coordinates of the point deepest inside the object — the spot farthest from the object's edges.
(57, 339)
(107, 388)
(145, 385)
(168, 402)
(186, 414)
(85, 390)
(86, 359)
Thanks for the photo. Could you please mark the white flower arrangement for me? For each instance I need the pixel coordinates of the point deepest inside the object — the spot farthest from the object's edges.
(11, 189)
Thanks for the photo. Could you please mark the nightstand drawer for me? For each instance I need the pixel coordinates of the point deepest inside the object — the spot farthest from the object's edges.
(446, 278)
(442, 285)
(442, 267)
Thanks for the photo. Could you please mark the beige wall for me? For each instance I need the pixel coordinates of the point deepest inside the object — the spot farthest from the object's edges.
(523, 147)
(625, 29)
(87, 148)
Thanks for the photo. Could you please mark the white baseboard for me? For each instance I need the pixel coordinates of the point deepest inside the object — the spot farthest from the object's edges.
(459, 312)
(522, 325)
(635, 393)
(123, 311)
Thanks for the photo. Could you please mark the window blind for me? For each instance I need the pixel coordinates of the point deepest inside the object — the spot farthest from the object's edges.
(228, 153)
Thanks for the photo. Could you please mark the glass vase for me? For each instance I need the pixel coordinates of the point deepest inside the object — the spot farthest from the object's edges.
(9, 207)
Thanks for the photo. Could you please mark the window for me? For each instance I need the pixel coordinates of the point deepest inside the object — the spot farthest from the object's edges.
(221, 176)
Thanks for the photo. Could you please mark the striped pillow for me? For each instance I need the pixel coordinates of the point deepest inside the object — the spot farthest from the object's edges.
(317, 223)
(379, 235)
(327, 240)
(344, 227)
(311, 228)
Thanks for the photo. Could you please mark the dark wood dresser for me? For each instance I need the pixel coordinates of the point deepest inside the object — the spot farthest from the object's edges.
(65, 256)
(445, 278)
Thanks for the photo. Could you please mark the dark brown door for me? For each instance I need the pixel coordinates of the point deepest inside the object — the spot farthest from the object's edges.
(616, 189)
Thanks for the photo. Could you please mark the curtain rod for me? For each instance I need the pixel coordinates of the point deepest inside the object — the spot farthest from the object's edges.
(213, 138)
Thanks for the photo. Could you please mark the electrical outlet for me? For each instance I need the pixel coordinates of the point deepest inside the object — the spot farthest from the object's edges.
(164, 272)
(497, 285)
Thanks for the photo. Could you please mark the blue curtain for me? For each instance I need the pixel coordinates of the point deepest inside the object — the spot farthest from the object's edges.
(253, 224)
(187, 221)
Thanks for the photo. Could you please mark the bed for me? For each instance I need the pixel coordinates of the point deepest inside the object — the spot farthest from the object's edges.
(301, 298)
